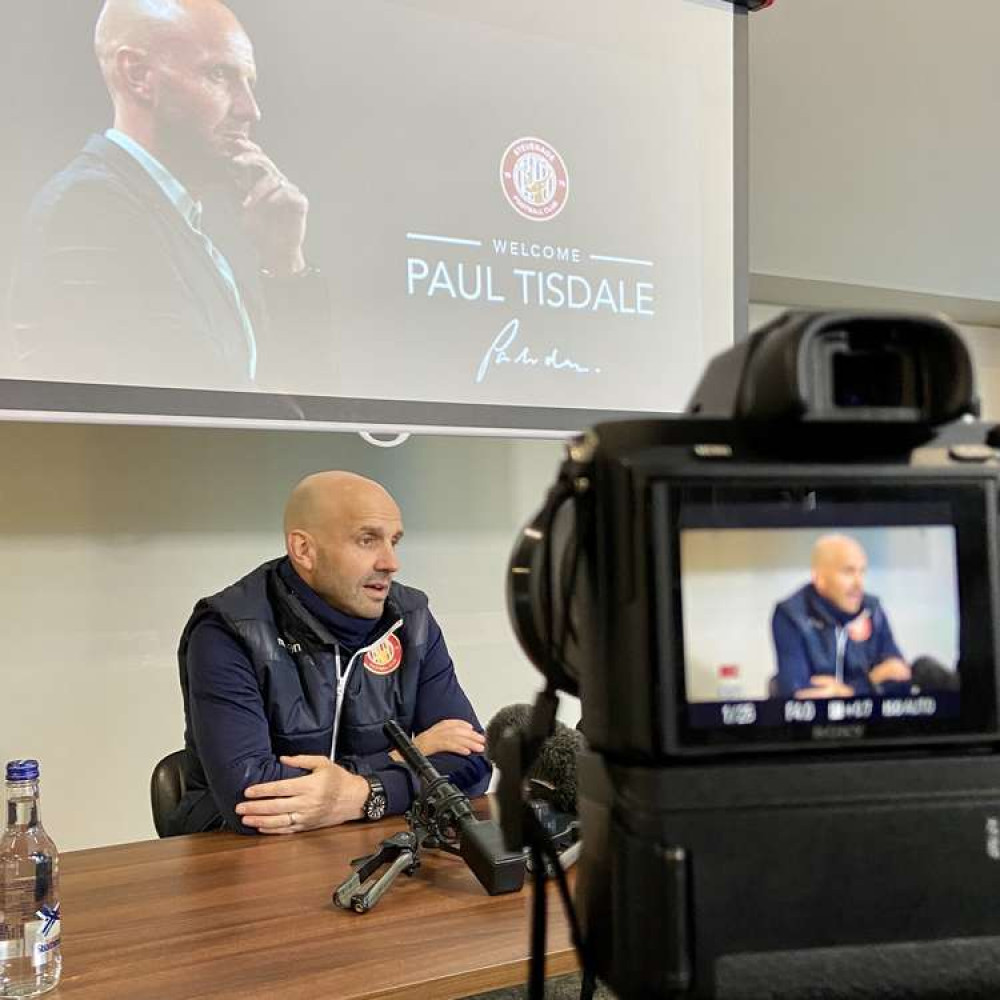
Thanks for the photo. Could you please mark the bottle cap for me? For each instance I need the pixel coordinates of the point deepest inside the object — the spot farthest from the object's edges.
(22, 770)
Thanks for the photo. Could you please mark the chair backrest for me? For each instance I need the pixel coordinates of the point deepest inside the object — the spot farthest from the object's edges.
(166, 788)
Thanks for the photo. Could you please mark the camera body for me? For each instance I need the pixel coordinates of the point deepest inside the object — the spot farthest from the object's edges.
(765, 811)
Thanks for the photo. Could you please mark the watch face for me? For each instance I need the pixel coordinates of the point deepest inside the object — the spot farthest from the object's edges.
(377, 801)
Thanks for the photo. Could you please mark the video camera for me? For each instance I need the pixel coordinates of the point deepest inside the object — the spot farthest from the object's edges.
(792, 786)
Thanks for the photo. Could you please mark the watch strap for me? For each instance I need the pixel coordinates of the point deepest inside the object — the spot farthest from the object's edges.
(377, 801)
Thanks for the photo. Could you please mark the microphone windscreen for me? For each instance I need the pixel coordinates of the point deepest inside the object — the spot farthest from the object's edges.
(929, 674)
(555, 766)
(510, 717)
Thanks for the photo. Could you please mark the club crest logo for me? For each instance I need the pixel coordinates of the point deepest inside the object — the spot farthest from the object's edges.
(384, 657)
(860, 628)
(534, 179)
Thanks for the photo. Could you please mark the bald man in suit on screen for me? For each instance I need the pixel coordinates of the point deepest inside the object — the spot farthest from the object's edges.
(121, 277)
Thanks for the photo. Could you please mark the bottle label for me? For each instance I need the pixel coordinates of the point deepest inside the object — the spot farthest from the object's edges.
(42, 936)
(47, 950)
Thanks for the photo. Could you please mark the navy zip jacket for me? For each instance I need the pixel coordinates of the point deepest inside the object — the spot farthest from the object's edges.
(268, 669)
(814, 636)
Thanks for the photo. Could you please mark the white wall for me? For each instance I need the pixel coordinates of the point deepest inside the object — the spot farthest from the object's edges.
(874, 144)
(109, 534)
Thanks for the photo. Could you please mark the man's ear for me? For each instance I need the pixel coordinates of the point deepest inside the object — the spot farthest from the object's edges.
(135, 74)
(301, 550)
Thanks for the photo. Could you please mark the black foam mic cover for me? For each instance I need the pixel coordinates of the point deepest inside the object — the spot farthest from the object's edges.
(509, 717)
(930, 675)
(555, 766)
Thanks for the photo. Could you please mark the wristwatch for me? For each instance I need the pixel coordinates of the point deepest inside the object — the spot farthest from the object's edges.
(377, 801)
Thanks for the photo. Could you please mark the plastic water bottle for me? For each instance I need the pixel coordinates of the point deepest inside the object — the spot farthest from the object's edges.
(30, 956)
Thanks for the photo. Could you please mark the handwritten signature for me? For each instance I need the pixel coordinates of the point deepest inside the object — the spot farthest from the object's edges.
(501, 352)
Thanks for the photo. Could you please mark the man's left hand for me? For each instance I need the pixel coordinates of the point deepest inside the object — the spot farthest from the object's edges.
(274, 208)
(329, 795)
(893, 669)
(446, 736)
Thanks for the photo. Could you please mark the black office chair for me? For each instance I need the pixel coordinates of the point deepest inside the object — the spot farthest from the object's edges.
(166, 788)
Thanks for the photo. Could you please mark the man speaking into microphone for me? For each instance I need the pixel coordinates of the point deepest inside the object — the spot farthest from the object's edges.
(170, 251)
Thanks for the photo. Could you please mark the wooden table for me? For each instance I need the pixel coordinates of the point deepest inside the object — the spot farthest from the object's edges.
(219, 915)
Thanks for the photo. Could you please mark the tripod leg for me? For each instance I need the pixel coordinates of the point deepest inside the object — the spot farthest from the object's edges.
(536, 980)
(362, 902)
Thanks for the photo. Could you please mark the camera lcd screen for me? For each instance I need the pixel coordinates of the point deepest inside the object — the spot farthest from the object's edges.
(823, 614)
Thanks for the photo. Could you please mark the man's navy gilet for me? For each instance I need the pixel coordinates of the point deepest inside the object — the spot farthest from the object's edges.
(817, 626)
(296, 670)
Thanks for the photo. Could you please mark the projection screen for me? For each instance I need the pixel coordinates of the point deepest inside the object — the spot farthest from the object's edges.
(501, 216)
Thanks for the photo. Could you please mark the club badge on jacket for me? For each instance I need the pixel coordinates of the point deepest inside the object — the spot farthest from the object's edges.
(385, 656)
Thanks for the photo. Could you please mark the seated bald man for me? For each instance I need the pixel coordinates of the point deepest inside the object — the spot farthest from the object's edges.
(832, 639)
(289, 674)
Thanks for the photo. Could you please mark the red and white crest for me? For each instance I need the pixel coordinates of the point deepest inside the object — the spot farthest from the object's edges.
(385, 656)
(534, 179)
(860, 629)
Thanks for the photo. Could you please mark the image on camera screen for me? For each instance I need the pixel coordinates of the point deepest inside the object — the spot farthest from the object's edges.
(787, 625)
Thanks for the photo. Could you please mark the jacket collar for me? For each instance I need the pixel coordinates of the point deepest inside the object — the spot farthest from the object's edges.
(172, 188)
(348, 630)
(827, 610)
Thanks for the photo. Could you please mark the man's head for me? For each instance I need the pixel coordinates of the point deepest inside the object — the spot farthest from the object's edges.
(341, 532)
(838, 571)
(181, 75)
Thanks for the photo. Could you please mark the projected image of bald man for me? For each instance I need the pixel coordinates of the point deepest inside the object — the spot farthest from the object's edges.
(831, 638)
(123, 275)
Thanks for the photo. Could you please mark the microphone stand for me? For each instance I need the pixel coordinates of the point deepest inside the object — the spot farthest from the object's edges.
(441, 817)
(521, 825)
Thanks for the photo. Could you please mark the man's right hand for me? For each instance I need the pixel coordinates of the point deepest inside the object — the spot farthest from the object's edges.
(274, 208)
(825, 686)
(327, 796)
(447, 736)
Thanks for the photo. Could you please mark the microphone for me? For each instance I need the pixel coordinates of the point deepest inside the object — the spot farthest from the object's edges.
(444, 811)
(555, 768)
(550, 781)
(510, 717)
(415, 760)
(928, 674)
(552, 776)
